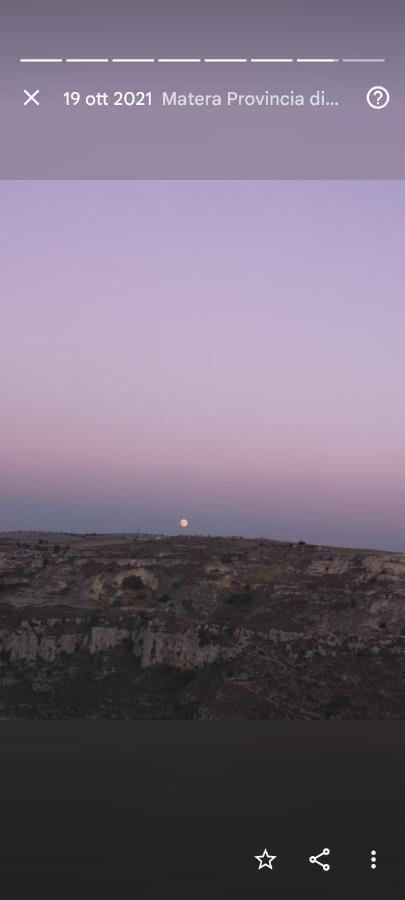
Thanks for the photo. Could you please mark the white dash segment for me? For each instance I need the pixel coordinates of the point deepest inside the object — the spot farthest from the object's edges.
(364, 60)
(143, 60)
(71, 60)
(56, 60)
(303, 60)
(174, 60)
(211, 60)
(258, 60)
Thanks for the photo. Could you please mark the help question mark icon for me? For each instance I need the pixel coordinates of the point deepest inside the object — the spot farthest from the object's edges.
(378, 97)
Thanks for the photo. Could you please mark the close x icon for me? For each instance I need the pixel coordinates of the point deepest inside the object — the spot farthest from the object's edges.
(31, 97)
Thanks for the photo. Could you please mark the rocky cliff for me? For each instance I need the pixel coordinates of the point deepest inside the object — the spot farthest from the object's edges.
(147, 627)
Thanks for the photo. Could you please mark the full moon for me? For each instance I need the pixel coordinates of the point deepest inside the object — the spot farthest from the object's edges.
(184, 523)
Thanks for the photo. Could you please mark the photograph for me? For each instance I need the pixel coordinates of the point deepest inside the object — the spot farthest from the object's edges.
(202, 451)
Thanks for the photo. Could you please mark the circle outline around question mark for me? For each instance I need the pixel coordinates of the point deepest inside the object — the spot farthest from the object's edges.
(370, 92)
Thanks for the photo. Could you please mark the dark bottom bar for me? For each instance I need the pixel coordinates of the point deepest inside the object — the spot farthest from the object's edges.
(137, 809)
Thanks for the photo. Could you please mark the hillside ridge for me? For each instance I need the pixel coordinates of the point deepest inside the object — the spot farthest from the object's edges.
(141, 626)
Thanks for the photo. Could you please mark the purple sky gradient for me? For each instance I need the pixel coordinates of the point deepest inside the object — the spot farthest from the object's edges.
(229, 351)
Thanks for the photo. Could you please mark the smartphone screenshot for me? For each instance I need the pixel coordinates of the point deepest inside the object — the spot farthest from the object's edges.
(202, 449)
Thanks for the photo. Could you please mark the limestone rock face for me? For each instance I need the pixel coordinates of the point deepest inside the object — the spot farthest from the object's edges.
(148, 627)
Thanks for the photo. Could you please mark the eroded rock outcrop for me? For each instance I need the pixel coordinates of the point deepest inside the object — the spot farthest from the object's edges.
(198, 627)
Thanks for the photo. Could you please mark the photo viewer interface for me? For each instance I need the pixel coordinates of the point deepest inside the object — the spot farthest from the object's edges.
(202, 444)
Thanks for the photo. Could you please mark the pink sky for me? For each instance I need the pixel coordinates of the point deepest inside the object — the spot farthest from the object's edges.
(230, 351)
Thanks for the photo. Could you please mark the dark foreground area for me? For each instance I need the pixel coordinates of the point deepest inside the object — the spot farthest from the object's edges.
(198, 628)
(158, 810)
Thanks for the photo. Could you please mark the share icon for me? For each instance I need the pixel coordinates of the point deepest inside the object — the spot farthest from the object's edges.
(316, 859)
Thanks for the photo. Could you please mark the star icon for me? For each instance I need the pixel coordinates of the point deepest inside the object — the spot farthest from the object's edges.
(265, 860)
